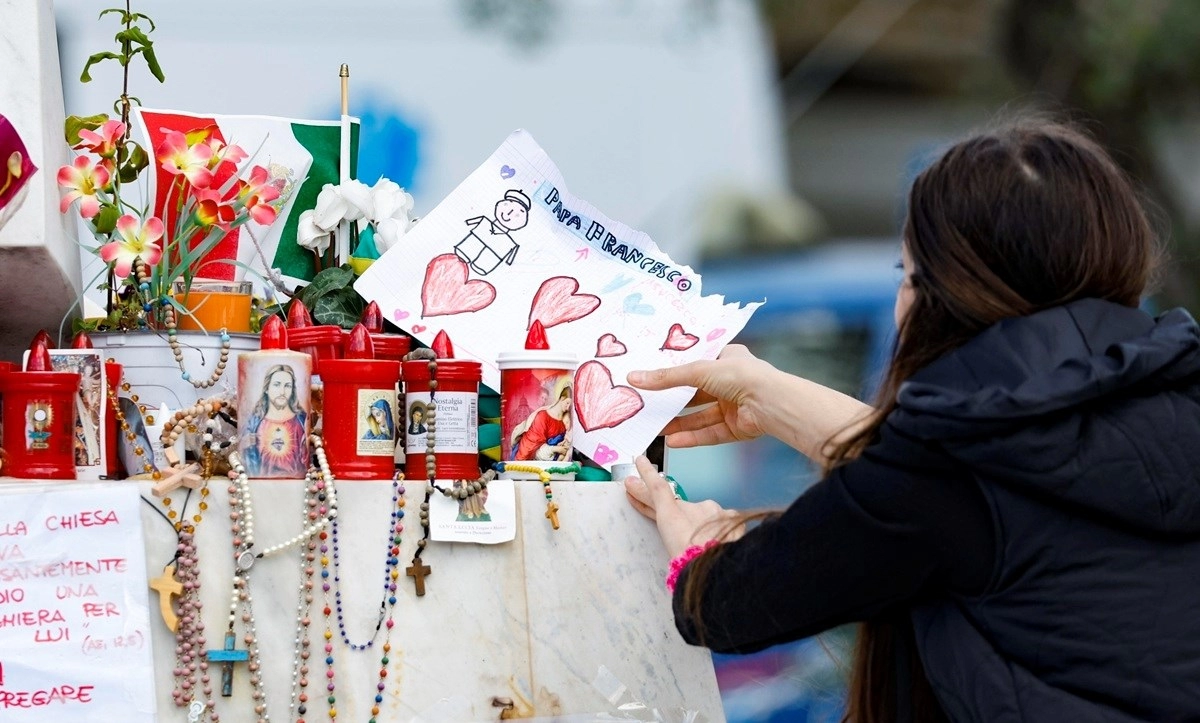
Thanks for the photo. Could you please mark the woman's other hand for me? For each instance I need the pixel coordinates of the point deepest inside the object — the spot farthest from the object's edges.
(680, 524)
(735, 381)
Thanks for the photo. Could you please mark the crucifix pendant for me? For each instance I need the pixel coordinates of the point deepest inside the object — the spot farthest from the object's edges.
(552, 514)
(417, 571)
(167, 586)
(227, 656)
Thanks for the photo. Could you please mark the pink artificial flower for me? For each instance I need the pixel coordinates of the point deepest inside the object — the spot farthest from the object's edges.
(180, 159)
(224, 161)
(102, 141)
(81, 181)
(258, 192)
(210, 211)
(222, 153)
(137, 239)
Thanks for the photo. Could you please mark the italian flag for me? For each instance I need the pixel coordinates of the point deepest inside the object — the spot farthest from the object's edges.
(303, 152)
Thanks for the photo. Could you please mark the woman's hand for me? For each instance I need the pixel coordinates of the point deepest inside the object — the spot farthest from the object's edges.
(680, 524)
(736, 381)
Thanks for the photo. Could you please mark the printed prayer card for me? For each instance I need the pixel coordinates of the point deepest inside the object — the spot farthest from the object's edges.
(511, 245)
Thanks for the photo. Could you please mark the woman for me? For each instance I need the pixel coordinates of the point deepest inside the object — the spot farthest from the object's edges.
(544, 435)
(379, 421)
(1017, 523)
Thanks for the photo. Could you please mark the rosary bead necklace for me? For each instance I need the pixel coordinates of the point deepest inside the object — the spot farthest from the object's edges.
(168, 308)
(317, 519)
(543, 474)
(190, 662)
(390, 574)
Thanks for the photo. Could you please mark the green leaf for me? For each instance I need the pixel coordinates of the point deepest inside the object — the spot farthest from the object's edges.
(338, 277)
(76, 123)
(85, 77)
(152, 63)
(106, 220)
(138, 158)
(342, 307)
(135, 17)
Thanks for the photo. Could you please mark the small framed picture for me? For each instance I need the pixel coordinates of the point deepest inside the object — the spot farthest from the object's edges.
(91, 407)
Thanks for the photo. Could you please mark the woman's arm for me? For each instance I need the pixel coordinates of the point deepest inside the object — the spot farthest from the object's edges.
(878, 532)
(748, 397)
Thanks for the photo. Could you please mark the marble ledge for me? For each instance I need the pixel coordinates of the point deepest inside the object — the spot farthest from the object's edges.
(573, 622)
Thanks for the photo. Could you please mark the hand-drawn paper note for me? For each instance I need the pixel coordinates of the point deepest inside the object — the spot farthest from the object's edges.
(511, 245)
(74, 621)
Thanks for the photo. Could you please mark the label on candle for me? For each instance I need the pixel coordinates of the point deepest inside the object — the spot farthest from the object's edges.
(376, 425)
(38, 418)
(457, 426)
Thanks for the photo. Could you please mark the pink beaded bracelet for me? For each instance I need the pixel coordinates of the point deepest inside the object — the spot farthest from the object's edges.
(682, 561)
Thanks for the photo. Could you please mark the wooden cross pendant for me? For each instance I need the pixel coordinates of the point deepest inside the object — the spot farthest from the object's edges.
(181, 476)
(227, 656)
(552, 514)
(417, 571)
(167, 586)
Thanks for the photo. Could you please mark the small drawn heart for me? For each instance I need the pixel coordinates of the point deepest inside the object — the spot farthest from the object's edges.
(557, 303)
(715, 334)
(618, 281)
(634, 305)
(399, 315)
(609, 345)
(418, 328)
(447, 291)
(507, 171)
(604, 454)
(600, 404)
(678, 339)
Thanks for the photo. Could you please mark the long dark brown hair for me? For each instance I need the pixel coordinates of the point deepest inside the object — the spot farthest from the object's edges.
(1006, 223)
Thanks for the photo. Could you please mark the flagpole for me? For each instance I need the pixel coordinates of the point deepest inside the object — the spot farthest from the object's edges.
(342, 251)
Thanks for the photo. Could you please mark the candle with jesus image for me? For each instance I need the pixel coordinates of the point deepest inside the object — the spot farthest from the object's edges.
(274, 407)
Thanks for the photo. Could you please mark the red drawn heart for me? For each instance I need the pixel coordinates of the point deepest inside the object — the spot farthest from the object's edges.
(599, 404)
(557, 303)
(678, 339)
(418, 328)
(447, 291)
(609, 345)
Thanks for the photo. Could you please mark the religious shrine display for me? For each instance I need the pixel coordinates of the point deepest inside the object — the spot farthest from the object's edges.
(389, 353)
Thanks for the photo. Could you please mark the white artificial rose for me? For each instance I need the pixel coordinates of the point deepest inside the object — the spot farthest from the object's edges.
(357, 196)
(389, 231)
(310, 235)
(331, 208)
(389, 200)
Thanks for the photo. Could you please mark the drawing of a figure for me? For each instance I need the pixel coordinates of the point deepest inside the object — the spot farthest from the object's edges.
(379, 421)
(545, 434)
(416, 418)
(275, 440)
(489, 244)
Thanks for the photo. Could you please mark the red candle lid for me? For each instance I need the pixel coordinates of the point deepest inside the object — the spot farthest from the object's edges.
(536, 338)
(372, 318)
(298, 316)
(39, 355)
(81, 341)
(442, 348)
(44, 338)
(274, 334)
(359, 345)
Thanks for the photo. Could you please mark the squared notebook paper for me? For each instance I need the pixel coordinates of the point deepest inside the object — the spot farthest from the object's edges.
(511, 245)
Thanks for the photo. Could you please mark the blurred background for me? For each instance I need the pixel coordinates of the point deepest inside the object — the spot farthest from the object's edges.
(770, 144)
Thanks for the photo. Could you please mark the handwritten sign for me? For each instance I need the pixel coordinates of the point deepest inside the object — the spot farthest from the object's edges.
(511, 246)
(74, 622)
